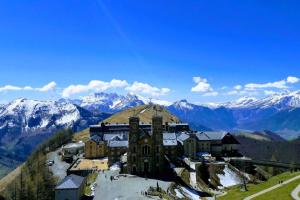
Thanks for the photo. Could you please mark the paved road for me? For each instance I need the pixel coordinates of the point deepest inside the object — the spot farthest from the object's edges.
(272, 188)
(295, 193)
(59, 168)
(124, 188)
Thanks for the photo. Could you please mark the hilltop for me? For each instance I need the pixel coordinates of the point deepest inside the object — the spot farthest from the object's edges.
(144, 112)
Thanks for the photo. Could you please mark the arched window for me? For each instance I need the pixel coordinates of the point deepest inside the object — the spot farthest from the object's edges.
(134, 149)
(146, 150)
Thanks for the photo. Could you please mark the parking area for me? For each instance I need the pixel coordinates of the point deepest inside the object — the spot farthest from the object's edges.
(124, 187)
(59, 167)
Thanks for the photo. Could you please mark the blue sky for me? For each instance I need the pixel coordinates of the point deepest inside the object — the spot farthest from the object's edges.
(152, 48)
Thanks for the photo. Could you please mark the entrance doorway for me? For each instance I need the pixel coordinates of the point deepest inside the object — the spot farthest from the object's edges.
(146, 167)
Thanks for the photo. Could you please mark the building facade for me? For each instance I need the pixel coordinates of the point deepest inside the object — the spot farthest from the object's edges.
(95, 147)
(70, 188)
(145, 154)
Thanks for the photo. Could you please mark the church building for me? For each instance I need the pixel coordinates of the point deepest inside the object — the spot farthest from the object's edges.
(145, 154)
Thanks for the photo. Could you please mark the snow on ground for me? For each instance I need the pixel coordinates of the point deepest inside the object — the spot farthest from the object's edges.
(190, 193)
(229, 178)
(179, 194)
(115, 167)
(143, 111)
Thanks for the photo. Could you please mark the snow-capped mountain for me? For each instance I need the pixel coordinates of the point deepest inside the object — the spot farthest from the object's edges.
(109, 102)
(183, 105)
(25, 121)
(279, 112)
(277, 101)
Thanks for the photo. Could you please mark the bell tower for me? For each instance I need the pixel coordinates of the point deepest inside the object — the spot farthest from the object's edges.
(157, 145)
(132, 161)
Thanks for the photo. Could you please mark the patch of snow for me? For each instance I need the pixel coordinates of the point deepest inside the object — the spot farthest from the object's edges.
(178, 194)
(191, 194)
(229, 178)
(143, 111)
(115, 167)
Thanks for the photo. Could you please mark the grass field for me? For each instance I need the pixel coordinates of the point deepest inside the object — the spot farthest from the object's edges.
(283, 193)
(81, 136)
(236, 194)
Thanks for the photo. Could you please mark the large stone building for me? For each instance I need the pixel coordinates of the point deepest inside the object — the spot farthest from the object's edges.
(216, 143)
(147, 145)
(145, 152)
(95, 147)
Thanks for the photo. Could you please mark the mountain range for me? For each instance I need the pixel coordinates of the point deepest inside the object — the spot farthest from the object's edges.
(279, 113)
(25, 122)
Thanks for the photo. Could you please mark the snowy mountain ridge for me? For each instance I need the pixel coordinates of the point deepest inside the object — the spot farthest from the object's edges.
(109, 102)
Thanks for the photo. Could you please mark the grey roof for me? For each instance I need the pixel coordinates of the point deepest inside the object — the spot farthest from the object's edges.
(169, 136)
(182, 137)
(215, 135)
(108, 137)
(170, 142)
(169, 139)
(118, 143)
(178, 124)
(70, 182)
(96, 138)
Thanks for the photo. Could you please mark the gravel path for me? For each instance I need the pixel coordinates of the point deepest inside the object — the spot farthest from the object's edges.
(295, 193)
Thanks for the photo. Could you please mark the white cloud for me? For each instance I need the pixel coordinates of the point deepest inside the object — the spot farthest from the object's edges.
(282, 84)
(202, 85)
(145, 88)
(10, 88)
(93, 86)
(48, 87)
(292, 79)
(45, 88)
(238, 87)
(278, 84)
(210, 94)
(270, 92)
(233, 92)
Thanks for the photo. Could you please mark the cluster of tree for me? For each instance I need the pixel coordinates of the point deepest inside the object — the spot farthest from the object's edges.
(36, 182)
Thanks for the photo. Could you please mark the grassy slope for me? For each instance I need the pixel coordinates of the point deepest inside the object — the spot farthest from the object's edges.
(144, 112)
(9, 178)
(236, 194)
(283, 193)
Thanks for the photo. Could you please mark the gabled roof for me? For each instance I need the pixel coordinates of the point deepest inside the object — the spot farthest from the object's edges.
(169, 139)
(96, 138)
(181, 137)
(118, 143)
(169, 136)
(108, 137)
(70, 182)
(215, 135)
